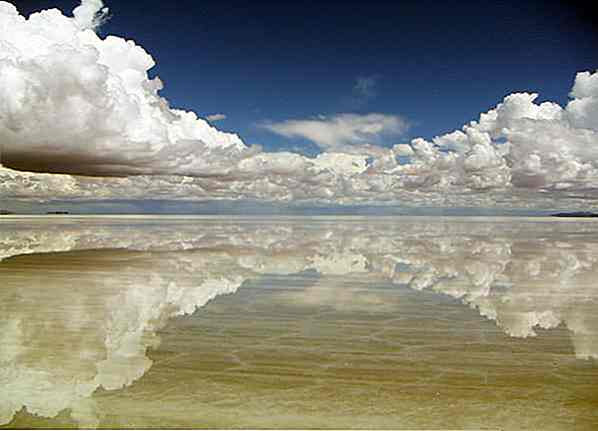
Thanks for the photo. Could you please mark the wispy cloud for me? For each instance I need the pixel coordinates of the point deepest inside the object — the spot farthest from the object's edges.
(365, 87)
(341, 130)
(215, 117)
(364, 90)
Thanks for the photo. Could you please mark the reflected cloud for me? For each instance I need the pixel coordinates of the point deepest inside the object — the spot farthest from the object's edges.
(79, 310)
(76, 322)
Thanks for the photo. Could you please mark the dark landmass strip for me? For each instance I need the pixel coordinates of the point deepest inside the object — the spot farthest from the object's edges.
(5, 212)
(57, 212)
(576, 214)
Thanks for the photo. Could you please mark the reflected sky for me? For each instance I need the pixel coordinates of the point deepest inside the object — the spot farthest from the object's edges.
(92, 308)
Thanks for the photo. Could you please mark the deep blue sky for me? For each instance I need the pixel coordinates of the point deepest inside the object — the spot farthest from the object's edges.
(436, 63)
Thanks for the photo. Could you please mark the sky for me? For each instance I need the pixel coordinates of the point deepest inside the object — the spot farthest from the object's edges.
(436, 64)
(340, 79)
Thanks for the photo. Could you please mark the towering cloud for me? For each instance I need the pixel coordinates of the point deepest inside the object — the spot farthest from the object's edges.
(74, 103)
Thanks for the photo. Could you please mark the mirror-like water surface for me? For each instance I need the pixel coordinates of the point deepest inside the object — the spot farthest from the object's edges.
(299, 322)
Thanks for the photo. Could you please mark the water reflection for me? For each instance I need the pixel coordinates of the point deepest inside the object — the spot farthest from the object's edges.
(83, 301)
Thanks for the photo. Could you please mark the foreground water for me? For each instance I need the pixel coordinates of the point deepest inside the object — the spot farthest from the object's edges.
(299, 322)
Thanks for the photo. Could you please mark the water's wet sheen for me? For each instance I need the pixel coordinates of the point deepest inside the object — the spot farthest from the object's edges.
(299, 322)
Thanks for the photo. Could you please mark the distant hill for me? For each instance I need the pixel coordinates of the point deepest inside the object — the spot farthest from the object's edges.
(5, 212)
(576, 214)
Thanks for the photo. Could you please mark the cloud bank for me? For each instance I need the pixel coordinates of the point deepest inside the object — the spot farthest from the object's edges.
(74, 103)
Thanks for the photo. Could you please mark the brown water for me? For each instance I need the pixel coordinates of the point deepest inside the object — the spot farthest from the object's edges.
(415, 323)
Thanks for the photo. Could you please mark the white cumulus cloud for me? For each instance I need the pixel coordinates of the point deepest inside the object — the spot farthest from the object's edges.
(72, 102)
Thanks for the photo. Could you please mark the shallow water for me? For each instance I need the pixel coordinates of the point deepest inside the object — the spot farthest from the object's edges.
(350, 322)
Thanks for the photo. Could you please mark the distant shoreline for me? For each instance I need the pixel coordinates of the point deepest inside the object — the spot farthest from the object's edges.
(5, 213)
(231, 217)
